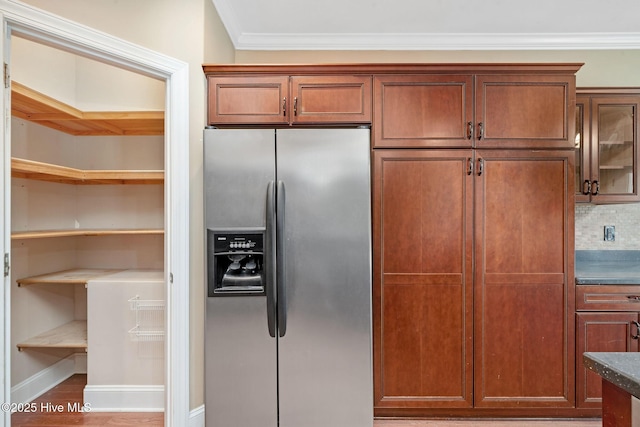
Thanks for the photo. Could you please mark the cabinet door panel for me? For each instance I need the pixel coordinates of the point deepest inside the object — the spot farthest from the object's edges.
(599, 332)
(423, 111)
(525, 111)
(248, 100)
(333, 99)
(524, 233)
(422, 279)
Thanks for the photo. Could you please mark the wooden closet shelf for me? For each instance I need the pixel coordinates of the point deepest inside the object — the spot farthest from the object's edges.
(30, 169)
(75, 276)
(39, 234)
(34, 106)
(72, 335)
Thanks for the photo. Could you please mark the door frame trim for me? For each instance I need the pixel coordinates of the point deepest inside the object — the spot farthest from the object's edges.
(42, 27)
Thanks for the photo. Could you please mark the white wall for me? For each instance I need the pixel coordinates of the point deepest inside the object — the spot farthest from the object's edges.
(80, 82)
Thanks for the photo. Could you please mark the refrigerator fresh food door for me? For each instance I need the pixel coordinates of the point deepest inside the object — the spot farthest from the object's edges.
(324, 361)
(240, 355)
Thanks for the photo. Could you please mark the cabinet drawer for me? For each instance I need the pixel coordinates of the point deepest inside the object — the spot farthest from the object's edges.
(607, 297)
(331, 99)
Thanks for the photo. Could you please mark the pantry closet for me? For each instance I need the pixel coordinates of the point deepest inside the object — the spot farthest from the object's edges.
(87, 203)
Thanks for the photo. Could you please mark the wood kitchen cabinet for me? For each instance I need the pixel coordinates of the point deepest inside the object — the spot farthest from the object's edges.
(523, 293)
(493, 271)
(285, 100)
(423, 111)
(606, 321)
(606, 144)
(423, 278)
(437, 111)
(431, 314)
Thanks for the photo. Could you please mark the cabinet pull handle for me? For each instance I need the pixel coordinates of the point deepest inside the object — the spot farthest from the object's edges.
(634, 298)
(469, 130)
(637, 335)
(470, 166)
(480, 131)
(480, 166)
(586, 187)
(595, 188)
(295, 106)
(284, 106)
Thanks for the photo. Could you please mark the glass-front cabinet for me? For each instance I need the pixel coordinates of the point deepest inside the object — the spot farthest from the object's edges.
(607, 145)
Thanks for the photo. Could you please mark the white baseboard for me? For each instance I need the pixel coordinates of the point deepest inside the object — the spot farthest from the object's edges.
(196, 417)
(118, 398)
(124, 398)
(48, 378)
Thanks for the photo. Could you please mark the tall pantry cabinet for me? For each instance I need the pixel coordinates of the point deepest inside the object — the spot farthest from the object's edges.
(473, 241)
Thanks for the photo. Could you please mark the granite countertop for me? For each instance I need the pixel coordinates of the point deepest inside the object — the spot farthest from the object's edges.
(620, 369)
(607, 267)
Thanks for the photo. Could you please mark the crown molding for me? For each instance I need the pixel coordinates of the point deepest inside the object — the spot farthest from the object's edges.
(437, 41)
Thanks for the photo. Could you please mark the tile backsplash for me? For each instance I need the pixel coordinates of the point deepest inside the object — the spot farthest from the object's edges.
(591, 219)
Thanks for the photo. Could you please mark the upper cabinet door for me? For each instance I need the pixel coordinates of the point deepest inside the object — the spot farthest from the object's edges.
(330, 99)
(423, 111)
(607, 153)
(248, 100)
(520, 111)
(614, 151)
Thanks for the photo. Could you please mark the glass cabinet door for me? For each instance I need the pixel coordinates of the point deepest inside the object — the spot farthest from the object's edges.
(615, 132)
(606, 142)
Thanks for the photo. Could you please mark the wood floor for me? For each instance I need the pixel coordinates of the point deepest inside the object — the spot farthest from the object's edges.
(69, 395)
(487, 423)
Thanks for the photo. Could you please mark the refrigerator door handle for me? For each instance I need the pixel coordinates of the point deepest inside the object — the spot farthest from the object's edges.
(270, 258)
(280, 263)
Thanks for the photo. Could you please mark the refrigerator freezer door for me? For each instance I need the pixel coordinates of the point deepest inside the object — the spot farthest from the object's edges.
(325, 373)
(240, 356)
(238, 165)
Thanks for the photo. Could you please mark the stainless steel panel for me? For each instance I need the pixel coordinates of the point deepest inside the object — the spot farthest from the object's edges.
(325, 356)
(240, 364)
(240, 356)
(239, 163)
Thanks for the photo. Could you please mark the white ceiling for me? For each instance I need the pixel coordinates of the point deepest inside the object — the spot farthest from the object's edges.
(431, 24)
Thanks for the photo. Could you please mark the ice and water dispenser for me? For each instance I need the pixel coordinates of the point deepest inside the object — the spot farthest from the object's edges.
(236, 262)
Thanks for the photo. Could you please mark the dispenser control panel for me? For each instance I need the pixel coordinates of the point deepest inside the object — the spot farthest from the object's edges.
(233, 242)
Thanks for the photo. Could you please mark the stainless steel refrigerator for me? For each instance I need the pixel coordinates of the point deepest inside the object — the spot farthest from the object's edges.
(288, 311)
